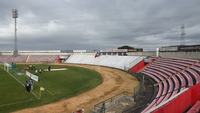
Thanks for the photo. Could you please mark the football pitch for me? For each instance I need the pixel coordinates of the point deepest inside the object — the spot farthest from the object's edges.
(57, 85)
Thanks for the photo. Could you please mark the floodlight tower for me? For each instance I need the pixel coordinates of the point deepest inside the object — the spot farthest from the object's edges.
(182, 35)
(15, 16)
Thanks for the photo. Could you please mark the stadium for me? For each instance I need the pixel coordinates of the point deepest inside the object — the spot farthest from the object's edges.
(99, 57)
(100, 83)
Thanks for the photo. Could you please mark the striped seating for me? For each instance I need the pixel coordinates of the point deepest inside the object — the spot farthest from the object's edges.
(171, 66)
(41, 58)
(184, 61)
(182, 80)
(164, 79)
(174, 74)
(10, 58)
(175, 63)
(160, 89)
(28, 59)
(188, 78)
(194, 74)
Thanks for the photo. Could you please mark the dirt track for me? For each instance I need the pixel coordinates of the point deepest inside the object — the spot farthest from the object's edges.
(114, 82)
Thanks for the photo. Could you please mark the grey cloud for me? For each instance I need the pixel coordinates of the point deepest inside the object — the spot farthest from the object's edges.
(100, 24)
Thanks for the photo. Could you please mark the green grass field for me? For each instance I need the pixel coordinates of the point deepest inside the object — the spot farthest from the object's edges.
(58, 85)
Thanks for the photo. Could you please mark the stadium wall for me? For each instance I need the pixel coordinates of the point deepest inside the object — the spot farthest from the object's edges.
(144, 53)
(45, 52)
(192, 55)
(181, 103)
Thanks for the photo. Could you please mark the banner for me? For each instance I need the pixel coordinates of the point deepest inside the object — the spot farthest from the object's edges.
(59, 69)
(32, 76)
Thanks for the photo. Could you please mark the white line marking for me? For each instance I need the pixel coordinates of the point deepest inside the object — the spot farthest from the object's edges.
(50, 92)
(22, 84)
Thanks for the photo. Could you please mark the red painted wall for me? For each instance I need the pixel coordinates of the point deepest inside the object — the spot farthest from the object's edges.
(138, 67)
(195, 90)
(181, 103)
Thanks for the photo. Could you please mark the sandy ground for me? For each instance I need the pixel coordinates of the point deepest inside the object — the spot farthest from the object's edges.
(114, 82)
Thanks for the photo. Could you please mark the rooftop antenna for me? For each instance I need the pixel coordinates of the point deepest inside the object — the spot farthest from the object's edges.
(182, 42)
(15, 16)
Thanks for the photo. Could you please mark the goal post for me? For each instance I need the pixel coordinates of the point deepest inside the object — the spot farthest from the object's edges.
(7, 66)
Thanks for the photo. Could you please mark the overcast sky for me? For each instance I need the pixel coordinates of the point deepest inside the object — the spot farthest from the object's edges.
(98, 24)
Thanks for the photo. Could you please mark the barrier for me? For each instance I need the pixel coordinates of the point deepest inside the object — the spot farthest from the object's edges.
(192, 54)
(104, 106)
(137, 68)
(32, 76)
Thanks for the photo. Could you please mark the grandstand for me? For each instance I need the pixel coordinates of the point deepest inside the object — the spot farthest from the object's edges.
(41, 58)
(120, 62)
(48, 56)
(29, 58)
(172, 76)
(10, 58)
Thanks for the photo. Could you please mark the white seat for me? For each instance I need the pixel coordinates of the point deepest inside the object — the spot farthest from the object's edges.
(119, 62)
